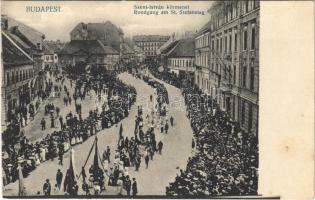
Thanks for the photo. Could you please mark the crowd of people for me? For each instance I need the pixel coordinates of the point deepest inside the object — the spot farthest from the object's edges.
(24, 112)
(143, 144)
(129, 151)
(74, 129)
(224, 159)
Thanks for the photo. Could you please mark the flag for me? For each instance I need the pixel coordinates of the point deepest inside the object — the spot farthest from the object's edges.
(22, 191)
(71, 170)
(95, 163)
(120, 131)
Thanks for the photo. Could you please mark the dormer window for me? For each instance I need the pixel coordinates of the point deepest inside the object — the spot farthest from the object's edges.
(39, 46)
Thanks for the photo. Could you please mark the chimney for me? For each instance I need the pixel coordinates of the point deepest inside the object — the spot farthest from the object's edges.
(4, 23)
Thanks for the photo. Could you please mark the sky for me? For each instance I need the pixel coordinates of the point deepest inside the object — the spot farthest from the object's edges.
(121, 13)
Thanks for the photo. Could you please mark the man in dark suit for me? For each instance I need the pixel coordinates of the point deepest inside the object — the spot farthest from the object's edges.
(128, 185)
(59, 177)
(47, 188)
(134, 187)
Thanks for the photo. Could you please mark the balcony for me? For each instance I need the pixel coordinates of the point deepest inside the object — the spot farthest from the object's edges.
(198, 67)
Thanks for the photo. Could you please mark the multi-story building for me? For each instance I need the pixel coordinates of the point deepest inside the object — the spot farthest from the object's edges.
(140, 55)
(234, 59)
(108, 33)
(128, 53)
(150, 43)
(17, 73)
(90, 52)
(202, 58)
(98, 44)
(51, 49)
(180, 58)
(30, 41)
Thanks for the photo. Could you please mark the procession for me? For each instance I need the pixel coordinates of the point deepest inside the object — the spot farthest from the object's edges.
(72, 130)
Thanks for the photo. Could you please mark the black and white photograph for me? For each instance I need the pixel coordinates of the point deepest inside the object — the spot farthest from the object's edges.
(133, 99)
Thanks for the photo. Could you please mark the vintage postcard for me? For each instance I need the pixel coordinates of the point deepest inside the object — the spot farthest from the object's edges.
(156, 99)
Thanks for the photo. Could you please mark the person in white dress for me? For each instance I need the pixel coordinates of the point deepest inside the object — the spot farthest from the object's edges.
(37, 160)
(42, 154)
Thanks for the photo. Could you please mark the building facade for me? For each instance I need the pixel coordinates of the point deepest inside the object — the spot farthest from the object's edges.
(51, 49)
(202, 58)
(108, 33)
(98, 44)
(234, 60)
(30, 41)
(150, 43)
(17, 73)
(90, 52)
(181, 58)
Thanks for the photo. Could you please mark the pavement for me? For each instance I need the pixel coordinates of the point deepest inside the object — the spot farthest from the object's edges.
(33, 129)
(161, 171)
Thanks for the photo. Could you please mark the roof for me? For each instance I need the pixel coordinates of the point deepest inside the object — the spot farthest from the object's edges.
(184, 48)
(126, 49)
(204, 28)
(31, 34)
(12, 54)
(108, 33)
(169, 47)
(52, 47)
(18, 40)
(98, 30)
(88, 46)
(151, 38)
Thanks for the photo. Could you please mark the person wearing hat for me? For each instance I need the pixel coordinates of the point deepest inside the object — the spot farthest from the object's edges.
(59, 177)
(128, 185)
(160, 146)
(47, 188)
(146, 159)
(43, 123)
(134, 187)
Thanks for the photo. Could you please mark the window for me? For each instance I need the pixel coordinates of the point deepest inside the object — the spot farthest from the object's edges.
(17, 76)
(243, 112)
(225, 44)
(221, 40)
(244, 76)
(250, 117)
(245, 39)
(8, 78)
(13, 78)
(230, 42)
(229, 73)
(235, 42)
(253, 37)
(234, 74)
(212, 45)
(234, 11)
(246, 6)
(252, 78)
